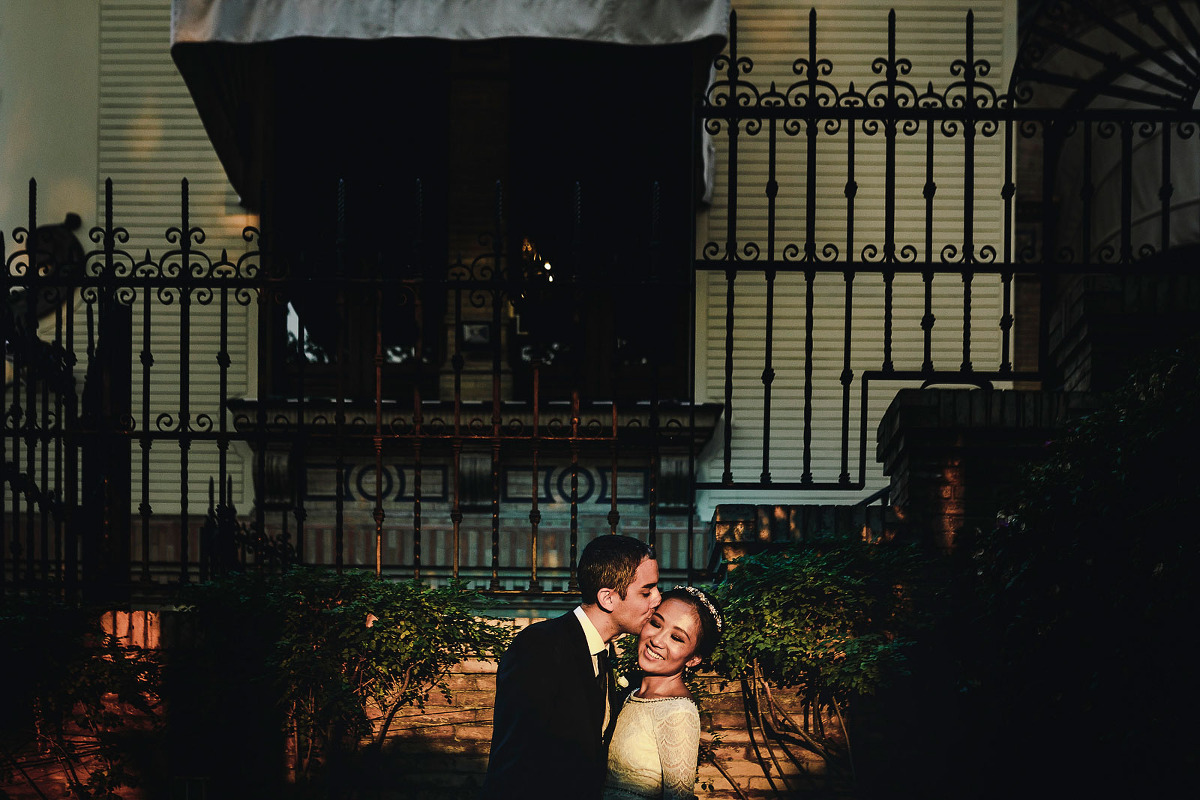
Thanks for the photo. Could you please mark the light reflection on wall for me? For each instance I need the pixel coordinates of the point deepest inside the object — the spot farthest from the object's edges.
(951, 503)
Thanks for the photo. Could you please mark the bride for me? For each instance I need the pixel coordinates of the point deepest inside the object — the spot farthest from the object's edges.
(656, 742)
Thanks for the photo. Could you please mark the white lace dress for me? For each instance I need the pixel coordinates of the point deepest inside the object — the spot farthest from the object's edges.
(654, 749)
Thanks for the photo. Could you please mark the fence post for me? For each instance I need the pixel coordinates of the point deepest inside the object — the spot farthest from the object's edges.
(107, 404)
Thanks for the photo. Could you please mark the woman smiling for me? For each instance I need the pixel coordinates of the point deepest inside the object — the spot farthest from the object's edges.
(656, 743)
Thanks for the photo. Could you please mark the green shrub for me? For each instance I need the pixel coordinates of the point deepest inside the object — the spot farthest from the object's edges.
(829, 620)
(342, 654)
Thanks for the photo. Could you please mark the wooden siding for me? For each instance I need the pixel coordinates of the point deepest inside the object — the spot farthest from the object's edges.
(150, 138)
(773, 33)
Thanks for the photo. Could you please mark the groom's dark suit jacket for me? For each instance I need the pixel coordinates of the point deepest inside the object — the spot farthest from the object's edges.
(546, 737)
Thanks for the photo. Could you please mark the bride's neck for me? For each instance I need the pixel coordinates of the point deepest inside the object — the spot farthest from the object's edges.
(654, 686)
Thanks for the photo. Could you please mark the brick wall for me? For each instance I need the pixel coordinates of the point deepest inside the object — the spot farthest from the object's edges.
(441, 751)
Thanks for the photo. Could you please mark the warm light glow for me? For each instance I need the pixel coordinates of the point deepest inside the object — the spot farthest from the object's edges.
(952, 503)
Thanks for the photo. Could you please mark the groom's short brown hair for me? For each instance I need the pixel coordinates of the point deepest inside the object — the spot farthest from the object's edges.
(609, 562)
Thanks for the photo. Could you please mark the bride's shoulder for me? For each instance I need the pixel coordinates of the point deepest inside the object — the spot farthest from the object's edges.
(676, 704)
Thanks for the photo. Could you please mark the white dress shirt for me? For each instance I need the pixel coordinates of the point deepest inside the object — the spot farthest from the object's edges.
(596, 646)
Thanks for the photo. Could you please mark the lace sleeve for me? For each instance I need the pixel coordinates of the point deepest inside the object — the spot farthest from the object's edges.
(677, 730)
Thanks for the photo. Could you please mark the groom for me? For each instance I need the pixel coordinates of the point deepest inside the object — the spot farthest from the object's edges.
(555, 706)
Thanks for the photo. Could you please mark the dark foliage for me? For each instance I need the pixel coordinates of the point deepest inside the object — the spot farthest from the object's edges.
(1088, 591)
(74, 700)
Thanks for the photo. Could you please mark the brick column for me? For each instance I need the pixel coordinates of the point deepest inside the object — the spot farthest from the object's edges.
(953, 455)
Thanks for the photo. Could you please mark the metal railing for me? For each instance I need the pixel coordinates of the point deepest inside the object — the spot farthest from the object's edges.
(820, 131)
(181, 413)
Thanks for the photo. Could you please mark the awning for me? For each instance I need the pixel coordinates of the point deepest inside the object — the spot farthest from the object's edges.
(239, 57)
(633, 22)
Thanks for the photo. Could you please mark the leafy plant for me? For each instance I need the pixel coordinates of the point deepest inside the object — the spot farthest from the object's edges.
(73, 692)
(830, 620)
(826, 621)
(346, 652)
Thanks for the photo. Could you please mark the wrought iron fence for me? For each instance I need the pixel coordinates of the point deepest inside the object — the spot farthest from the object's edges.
(136, 418)
(893, 137)
(483, 418)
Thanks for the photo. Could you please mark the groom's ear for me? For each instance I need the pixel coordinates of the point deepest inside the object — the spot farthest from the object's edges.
(607, 599)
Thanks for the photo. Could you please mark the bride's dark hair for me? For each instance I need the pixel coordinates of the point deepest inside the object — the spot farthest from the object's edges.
(708, 612)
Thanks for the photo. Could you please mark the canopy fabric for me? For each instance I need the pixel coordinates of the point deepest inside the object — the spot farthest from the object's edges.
(633, 22)
(240, 58)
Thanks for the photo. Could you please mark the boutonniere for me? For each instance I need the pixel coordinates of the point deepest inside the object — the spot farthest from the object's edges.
(620, 680)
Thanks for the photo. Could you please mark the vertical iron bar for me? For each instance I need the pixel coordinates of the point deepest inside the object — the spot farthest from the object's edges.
(1087, 191)
(147, 360)
(889, 207)
(185, 410)
(1126, 192)
(616, 379)
(209, 534)
(699, 123)
(60, 316)
(28, 425)
(732, 128)
(535, 515)
(36, 502)
(418, 426)
(89, 429)
(809, 298)
(967, 277)
(810, 250)
(339, 414)
(652, 500)
(768, 373)
(456, 514)
(497, 296)
(847, 375)
(70, 424)
(419, 348)
(577, 249)
(655, 255)
(1006, 278)
(377, 439)
(727, 469)
(1167, 189)
(46, 500)
(927, 321)
(969, 131)
(573, 583)
(223, 363)
(614, 516)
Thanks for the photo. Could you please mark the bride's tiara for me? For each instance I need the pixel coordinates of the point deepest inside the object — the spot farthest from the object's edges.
(709, 604)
